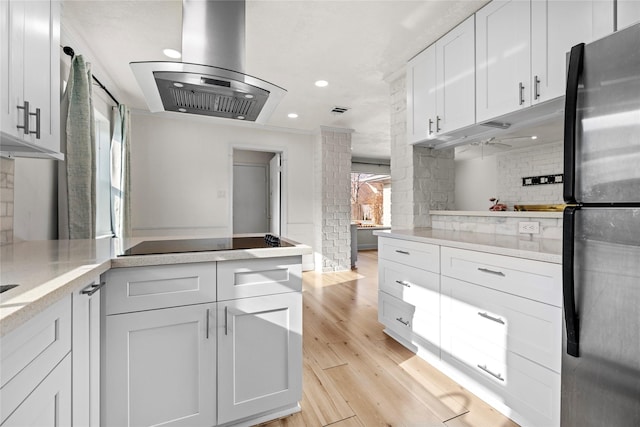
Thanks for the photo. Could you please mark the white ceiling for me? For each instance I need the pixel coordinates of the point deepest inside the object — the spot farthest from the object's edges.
(356, 45)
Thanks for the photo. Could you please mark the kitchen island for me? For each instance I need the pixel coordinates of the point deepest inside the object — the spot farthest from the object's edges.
(58, 311)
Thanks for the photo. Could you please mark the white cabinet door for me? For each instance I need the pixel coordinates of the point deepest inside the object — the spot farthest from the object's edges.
(455, 75)
(628, 13)
(556, 26)
(160, 368)
(85, 342)
(503, 61)
(259, 355)
(49, 405)
(31, 73)
(421, 96)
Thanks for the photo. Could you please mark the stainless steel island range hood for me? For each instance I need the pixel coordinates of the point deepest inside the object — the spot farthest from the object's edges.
(211, 80)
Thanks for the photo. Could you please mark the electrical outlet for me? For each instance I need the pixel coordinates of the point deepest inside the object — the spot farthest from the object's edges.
(532, 227)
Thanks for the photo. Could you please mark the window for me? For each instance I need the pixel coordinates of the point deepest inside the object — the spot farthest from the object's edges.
(370, 199)
(103, 176)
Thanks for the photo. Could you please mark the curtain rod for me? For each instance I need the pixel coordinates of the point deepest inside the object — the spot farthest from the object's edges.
(69, 51)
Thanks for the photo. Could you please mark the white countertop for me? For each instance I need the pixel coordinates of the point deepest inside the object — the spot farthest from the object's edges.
(538, 249)
(48, 270)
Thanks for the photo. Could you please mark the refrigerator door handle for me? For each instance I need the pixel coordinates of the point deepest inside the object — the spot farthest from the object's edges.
(574, 72)
(570, 314)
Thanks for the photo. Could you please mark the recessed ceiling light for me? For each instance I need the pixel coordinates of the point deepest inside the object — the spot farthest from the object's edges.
(322, 83)
(172, 53)
(292, 115)
(176, 84)
(534, 137)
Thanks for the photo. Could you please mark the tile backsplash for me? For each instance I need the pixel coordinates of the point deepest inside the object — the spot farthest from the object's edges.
(7, 168)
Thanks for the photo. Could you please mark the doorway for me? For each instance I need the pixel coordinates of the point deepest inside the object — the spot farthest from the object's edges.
(257, 192)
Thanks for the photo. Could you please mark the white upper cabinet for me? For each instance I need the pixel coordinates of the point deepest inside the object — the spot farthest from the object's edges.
(503, 58)
(441, 85)
(30, 77)
(628, 13)
(556, 26)
(421, 96)
(455, 74)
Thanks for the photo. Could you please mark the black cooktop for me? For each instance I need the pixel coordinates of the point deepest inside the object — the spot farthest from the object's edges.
(159, 247)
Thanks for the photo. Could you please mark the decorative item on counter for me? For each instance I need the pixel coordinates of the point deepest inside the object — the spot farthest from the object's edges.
(497, 206)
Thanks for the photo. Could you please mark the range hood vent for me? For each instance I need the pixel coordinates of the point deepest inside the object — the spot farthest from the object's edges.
(211, 81)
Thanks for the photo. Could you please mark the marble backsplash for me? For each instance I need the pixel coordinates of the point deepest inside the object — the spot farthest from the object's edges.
(7, 168)
(498, 222)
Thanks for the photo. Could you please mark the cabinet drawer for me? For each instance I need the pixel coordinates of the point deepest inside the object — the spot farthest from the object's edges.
(29, 353)
(414, 254)
(145, 288)
(539, 281)
(256, 277)
(531, 391)
(405, 320)
(528, 328)
(417, 287)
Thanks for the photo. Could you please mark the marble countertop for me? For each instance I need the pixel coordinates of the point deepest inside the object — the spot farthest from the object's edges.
(48, 270)
(538, 249)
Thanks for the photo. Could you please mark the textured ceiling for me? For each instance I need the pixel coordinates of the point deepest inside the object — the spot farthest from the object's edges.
(356, 45)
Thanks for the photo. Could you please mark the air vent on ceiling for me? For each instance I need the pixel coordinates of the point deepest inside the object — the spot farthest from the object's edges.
(339, 110)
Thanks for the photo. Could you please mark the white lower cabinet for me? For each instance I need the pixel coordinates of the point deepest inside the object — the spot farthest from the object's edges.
(160, 367)
(49, 404)
(491, 322)
(259, 355)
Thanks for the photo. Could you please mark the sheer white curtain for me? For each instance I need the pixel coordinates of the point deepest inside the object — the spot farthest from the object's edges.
(76, 175)
(120, 173)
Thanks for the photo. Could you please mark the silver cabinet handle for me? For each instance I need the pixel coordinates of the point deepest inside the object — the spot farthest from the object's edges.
(92, 288)
(438, 129)
(37, 131)
(488, 316)
(493, 374)
(401, 320)
(521, 93)
(25, 117)
(226, 320)
(402, 252)
(486, 270)
(207, 326)
(430, 124)
(536, 86)
(403, 283)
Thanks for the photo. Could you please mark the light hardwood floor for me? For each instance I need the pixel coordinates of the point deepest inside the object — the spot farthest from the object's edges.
(355, 375)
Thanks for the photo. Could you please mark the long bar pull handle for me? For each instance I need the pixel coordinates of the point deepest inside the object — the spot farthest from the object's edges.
(486, 270)
(207, 322)
(571, 319)
(25, 117)
(570, 118)
(493, 374)
(403, 283)
(490, 317)
(521, 92)
(401, 320)
(226, 320)
(37, 131)
(92, 288)
(402, 252)
(430, 125)
(536, 87)
(438, 129)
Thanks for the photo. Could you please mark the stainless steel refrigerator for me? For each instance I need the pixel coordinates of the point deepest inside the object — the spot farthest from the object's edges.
(601, 247)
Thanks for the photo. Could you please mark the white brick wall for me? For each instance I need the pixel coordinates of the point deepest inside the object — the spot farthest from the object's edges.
(546, 159)
(550, 228)
(7, 169)
(421, 178)
(332, 194)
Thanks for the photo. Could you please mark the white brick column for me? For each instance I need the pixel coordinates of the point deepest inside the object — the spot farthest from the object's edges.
(333, 199)
(421, 178)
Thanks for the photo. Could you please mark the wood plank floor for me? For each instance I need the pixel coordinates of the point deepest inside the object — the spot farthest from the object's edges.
(355, 375)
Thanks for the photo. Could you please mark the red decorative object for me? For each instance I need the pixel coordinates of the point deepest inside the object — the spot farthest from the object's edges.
(497, 206)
